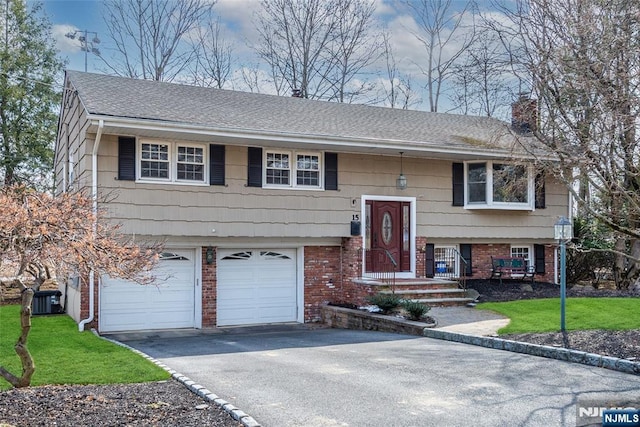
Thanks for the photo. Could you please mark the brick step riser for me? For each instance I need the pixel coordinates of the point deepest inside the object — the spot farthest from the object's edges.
(424, 286)
(418, 295)
(446, 303)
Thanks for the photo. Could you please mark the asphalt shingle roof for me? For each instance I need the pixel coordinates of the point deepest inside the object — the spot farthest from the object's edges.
(219, 109)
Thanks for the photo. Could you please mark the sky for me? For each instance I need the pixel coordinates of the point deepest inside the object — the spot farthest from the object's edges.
(237, 18)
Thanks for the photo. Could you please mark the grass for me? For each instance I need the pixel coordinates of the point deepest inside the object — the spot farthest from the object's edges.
(63, 355)
(543, 315)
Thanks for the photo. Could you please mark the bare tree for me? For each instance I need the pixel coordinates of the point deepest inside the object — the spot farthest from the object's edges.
(294, 40)
(318, 47)
(482, 80)
(397, 88)
(250, 78)
(150, 36)
(356, 45)
(214, 58)
(442, 33)
(582, 58)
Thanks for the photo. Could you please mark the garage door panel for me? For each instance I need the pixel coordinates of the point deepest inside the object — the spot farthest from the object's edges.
(167, 304)
(257, 286)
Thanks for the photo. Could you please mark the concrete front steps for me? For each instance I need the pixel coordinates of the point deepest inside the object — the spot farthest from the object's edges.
(433, 292)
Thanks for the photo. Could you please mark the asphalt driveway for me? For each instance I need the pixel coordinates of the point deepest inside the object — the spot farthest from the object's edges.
(293, 376)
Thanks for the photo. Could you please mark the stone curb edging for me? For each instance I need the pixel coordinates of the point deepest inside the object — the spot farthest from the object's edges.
(236, 414)
(558, 353)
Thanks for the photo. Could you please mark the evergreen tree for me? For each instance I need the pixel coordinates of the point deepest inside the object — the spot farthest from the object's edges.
(28, 99)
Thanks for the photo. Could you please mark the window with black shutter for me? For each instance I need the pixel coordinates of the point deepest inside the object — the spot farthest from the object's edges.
(539, 258)
(126, 158)
(216, 164)
(254, 170)
(429, 260)
(330, 171)
(458, 184)
(465, 251)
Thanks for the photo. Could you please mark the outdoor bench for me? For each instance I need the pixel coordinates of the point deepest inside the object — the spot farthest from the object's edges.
(511, 268)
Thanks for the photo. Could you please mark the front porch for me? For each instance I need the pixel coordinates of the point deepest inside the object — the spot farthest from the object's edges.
(434, 292)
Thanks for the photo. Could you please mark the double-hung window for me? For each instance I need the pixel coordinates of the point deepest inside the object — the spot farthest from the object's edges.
(278, 169)
(172, 162)
(523, 252)
(292, 169)
(154, 160)
(498, 185)
(190, 163)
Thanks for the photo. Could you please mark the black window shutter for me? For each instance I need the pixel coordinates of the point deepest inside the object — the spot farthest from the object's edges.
(254, 173)
(126, 158)
(458, 184)
(539, 258)
(540, 191)
(429, 260)
(330, 171)
(465, 251)
(216, 164)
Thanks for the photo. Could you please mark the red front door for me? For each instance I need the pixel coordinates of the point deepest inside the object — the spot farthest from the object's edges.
(388, 232)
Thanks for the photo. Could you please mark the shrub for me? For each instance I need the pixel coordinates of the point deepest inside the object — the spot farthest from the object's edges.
(414, 309)
(386, 302)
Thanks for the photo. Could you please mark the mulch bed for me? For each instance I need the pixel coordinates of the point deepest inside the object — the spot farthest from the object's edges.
(621, 344)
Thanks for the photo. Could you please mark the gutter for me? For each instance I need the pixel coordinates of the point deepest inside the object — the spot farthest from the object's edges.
(262, 138)
(94, 196)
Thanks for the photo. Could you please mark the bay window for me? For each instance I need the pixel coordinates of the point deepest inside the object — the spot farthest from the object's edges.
(498, 186)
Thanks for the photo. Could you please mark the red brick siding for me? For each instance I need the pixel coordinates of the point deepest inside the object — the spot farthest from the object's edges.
(322, 282)
(209, 290)
(481, 260)
(420, 244)
(352, 269)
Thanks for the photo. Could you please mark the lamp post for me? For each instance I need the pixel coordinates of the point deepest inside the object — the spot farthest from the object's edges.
(563, 233)
(86, 45)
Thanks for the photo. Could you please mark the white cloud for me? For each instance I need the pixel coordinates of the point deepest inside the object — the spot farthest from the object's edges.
(64, 44)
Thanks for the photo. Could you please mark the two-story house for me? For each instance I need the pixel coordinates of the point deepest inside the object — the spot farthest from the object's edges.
(272, 206)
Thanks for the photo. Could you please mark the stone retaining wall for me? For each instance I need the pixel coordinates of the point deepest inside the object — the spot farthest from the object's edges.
(346, 318)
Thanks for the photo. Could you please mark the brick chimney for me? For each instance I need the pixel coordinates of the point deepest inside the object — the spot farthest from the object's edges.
(524, 115)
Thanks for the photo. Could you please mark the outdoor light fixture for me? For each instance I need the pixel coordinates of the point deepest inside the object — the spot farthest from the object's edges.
(401, 182)
(86, 45)
(563, 229)
(210, 255)
(563, 233)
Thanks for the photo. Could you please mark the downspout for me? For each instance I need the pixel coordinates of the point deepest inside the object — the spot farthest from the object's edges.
(94, 196)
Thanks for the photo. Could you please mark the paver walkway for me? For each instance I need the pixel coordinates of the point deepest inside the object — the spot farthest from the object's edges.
(468, 320)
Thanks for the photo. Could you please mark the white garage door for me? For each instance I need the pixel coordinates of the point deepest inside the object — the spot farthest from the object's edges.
(167, 304)
(256, 286)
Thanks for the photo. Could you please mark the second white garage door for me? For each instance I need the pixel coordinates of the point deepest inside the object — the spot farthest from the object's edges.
(256, 286)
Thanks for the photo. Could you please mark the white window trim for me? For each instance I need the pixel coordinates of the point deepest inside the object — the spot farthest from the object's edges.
(173, 163)
(455, 260)
(293, 168)
(530, 260)
(489, 203)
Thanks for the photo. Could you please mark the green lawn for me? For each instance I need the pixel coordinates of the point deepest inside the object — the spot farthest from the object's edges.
(63, 355)
(543, 315)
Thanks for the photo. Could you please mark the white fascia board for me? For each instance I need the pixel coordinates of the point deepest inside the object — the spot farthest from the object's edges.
(272, 139)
